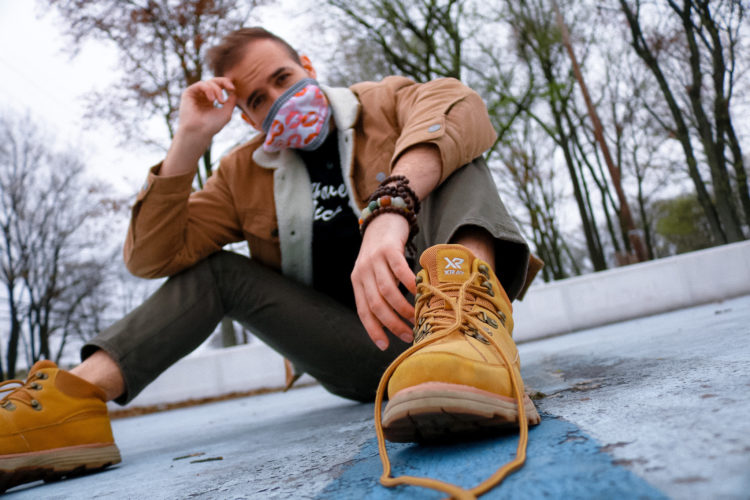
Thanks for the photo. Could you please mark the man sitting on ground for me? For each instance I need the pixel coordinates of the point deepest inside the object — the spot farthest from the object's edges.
(340, 188)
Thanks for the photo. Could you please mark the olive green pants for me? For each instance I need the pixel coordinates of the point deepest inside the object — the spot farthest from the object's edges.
(316, 333)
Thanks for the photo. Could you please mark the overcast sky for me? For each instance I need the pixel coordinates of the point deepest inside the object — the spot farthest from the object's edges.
(37, 76)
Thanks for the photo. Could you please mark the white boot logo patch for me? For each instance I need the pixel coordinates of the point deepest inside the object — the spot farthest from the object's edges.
(453, 266)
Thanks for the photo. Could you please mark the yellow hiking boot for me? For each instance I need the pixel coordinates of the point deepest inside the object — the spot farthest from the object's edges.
(53, 425)
(463, 373)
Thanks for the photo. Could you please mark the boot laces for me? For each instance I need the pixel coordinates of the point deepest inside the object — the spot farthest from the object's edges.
(449, 307)
(21, 392)
(451, 315)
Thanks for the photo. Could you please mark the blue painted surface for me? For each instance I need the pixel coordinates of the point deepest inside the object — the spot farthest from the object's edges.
(562, 462)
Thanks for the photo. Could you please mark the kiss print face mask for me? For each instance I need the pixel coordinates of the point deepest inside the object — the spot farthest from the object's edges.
(300, 118)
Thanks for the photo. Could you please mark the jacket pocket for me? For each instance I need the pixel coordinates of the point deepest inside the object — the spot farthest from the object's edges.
(262, 234)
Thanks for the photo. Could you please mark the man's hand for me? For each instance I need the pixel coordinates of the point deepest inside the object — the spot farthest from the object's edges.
(381, 264)
(199, 121)
(379, 268)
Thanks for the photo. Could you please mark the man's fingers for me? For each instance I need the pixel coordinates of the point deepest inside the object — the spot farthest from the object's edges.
(376, 332)
(374, 310)
(394, 300)
(372, 325)
(224, 83)
(387, 286)
(402, 271)
(385, 314)
(215, 92)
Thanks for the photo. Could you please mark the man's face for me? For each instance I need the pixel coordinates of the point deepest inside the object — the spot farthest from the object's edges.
(262, 75)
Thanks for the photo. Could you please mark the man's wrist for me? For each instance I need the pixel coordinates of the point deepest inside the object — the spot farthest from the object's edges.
(392, 224)
(393, 197)
(183, 155)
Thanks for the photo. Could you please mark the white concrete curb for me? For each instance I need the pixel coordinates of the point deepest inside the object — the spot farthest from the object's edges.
(634, 291)
(216, 372)
(549, 309)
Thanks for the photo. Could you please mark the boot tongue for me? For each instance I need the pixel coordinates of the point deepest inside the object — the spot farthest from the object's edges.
(39, 365)
(447, 263)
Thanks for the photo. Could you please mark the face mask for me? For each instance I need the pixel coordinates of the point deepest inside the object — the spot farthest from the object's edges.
(298, 119)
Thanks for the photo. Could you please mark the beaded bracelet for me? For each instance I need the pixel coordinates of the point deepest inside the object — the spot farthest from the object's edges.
(398, 198)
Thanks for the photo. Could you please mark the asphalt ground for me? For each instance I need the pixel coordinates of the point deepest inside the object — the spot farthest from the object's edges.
(650, 408)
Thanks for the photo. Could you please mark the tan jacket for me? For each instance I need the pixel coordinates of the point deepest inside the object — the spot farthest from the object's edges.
(266, 199)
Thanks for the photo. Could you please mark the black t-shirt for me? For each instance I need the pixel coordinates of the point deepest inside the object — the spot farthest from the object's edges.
(336, 238)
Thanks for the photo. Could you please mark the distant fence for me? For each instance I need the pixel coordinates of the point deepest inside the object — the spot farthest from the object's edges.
(549, 309)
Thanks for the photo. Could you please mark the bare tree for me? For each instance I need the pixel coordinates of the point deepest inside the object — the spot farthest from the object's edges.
(51, 230)
(161, 44)
(699, 39)
(539, 49)
(525, 176)
(421, 39)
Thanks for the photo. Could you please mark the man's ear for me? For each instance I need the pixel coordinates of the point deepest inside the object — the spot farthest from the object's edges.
(307, 64)
(250, 122)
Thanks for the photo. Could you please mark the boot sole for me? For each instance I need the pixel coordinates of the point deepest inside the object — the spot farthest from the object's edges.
(56, 464)
(435, 410)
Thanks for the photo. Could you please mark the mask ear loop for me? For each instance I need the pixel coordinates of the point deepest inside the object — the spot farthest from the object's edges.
(281, 100)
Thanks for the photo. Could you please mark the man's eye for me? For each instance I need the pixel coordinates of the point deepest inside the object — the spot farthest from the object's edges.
(257, 102)
(283, 77)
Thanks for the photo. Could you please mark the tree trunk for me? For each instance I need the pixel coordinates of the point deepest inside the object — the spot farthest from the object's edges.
(740, 173)
(626, 219)
(228, 336)
(682, 134)
(713, 146)
(13, 339)
(563, 140)
(722, 117)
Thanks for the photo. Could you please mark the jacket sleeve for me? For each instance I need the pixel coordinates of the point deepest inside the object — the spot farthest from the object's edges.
(443, 112)
(172, 228)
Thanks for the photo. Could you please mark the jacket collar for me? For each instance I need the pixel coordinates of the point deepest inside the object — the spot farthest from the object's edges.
(345, 107)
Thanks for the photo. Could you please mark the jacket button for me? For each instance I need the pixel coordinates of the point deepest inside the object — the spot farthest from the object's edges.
(275, 232)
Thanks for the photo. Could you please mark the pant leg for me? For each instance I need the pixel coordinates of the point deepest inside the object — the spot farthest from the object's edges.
(319, 335)
(469, 197)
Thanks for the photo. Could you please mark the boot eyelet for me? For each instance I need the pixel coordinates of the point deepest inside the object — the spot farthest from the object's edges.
(502, 317)
(484, 318)
(42, 376)
(36, 386)
(36, 405)
(419, 279)
(8, 405)
(484, 270)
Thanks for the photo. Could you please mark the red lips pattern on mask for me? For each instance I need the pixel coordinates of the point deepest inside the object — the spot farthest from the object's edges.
(298, 119)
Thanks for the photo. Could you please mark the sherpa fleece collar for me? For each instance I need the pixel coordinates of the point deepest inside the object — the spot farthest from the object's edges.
(292, 188)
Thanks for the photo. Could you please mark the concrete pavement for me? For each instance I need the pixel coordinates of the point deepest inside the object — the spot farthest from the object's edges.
(649, 408)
